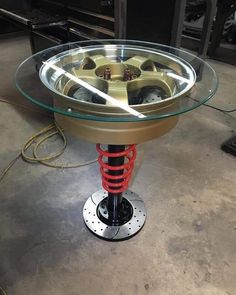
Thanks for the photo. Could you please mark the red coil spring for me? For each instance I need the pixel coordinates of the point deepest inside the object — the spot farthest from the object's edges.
(130, 154)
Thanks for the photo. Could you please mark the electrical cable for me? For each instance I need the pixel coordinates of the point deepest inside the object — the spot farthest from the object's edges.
(35, 141)
(212, 107)
(2, 291)
(2, 175)
(219, 109)
(45, 135)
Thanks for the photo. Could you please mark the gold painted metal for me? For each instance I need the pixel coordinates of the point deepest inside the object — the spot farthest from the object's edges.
(143, 70)
(144, 73)
(116, 132)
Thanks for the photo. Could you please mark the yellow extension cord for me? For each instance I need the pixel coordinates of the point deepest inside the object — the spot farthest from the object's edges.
(38, 139)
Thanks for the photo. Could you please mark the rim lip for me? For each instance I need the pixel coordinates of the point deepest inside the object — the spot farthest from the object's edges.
(54, 59)
(119, 119)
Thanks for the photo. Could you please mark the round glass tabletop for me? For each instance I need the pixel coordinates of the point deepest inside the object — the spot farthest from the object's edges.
(116, 80)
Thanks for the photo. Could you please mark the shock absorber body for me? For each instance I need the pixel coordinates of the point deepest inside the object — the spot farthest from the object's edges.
(114, 201)
(116, 173)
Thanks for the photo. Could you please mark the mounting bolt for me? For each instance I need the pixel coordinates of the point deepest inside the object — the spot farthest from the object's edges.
(107, 74)
(127, 75)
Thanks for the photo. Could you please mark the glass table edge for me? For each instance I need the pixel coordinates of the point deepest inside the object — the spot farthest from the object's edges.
(112, 119)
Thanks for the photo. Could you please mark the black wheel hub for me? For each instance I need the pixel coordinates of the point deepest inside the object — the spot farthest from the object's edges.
(124, 214)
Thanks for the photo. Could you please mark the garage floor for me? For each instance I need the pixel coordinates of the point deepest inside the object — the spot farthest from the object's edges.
(188, 244)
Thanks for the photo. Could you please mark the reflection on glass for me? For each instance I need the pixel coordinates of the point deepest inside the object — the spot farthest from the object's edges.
(94, 90)
(116, 80)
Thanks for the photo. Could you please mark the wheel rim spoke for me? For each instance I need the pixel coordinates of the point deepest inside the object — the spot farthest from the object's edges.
(139, 62)
(154, 78)
(118, 90)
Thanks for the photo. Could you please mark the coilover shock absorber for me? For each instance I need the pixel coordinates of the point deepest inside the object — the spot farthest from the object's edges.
(119, 182)
(116, 173)
(115, 213)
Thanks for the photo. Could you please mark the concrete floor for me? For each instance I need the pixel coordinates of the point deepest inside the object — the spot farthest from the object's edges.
(189, 185)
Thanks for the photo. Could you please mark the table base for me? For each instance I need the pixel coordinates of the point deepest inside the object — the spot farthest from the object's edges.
(95, 216)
